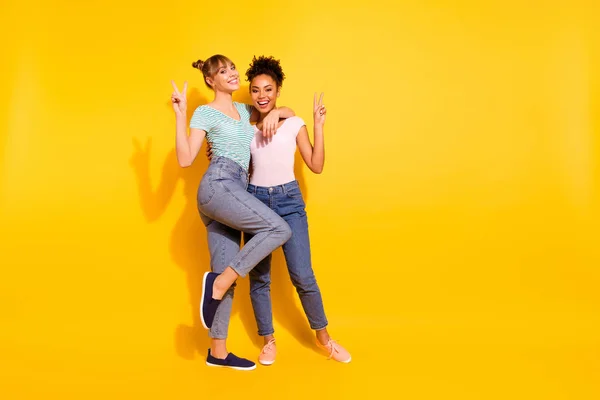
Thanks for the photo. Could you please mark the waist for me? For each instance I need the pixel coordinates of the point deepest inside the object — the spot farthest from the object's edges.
(229, 166)
(271, 175)
(276, 189)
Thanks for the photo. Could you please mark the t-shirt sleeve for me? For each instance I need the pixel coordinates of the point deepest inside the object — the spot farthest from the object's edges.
(200, 120)
(298, 123)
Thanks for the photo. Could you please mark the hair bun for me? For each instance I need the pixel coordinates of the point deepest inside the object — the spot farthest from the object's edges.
(198, 64)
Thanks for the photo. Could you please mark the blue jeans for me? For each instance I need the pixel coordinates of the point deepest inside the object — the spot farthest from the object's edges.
(226, 208)
(286, 200)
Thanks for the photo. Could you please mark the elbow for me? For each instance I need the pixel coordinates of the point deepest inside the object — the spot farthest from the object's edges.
(317, 170)
(184, 163)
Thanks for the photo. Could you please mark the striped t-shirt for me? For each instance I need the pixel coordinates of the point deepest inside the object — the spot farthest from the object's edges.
(228, 137)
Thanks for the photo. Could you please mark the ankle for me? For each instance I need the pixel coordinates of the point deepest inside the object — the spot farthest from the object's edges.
(219, 353)
(268, 338)
(218, 348)
(323, 336)
(219, 289)
(223, 282)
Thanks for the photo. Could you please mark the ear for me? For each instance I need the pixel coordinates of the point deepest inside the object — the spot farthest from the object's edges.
(210, 82)
(278, 92)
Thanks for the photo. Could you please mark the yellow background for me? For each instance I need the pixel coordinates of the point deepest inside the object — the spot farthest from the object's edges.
(454, 229)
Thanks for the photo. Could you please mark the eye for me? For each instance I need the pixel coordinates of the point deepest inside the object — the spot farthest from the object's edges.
(223, 71)
(232, 67)
(269, 90)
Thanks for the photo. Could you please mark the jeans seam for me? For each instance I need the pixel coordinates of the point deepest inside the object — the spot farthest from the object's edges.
(271, 228)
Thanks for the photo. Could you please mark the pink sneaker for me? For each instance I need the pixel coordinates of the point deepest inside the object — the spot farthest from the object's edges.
(337, 352)
(268, 353)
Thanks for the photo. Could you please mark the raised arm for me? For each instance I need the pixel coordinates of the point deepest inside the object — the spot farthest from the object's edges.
(314, 157)
(187, 147)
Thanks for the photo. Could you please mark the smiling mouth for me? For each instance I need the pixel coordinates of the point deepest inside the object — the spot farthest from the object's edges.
(262, 103)
(233, 81)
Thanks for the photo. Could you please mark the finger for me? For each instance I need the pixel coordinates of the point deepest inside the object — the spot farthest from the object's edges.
(184, 88)
(175, 87)
(321, 99)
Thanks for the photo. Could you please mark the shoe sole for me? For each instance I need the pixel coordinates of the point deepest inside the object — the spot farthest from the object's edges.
(266, 362)
(236, 368)
(202, 301)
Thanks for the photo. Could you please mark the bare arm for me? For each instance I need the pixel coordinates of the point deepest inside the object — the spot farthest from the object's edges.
(270, 123)
(281, 112)
(314, 157)
(286, 112)
(187, 147)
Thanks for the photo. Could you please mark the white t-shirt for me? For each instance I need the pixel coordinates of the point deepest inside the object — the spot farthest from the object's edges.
(273, 159)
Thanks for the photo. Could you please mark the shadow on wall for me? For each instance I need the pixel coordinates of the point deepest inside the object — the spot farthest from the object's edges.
(189, 249)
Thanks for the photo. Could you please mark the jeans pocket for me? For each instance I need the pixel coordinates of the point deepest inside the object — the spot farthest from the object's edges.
(294, 192)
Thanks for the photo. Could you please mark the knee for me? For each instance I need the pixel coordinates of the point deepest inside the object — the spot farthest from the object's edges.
(305, 283)
(284, 231)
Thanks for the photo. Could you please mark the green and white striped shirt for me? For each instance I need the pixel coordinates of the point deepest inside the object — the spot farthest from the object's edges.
(228, 137)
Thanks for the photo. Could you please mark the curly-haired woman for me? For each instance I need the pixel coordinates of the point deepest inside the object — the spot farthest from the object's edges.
(273, 183)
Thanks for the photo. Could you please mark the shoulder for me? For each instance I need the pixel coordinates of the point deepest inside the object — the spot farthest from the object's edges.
(243, 106)
(202, 118)
(202, 110)
(295, 123)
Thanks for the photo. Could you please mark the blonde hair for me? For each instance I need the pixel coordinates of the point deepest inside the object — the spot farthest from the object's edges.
(210, 67)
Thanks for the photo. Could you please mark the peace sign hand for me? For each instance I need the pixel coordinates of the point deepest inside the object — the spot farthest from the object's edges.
(319, 110)
(179, 100)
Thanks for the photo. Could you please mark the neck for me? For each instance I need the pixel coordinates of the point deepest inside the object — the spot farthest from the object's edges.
(223, 98)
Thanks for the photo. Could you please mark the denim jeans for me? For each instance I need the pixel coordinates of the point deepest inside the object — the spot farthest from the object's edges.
(286, 200)
(226, 208)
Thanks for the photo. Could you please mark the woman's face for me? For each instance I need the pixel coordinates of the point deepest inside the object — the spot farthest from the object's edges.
(264, 92)
(226, 79)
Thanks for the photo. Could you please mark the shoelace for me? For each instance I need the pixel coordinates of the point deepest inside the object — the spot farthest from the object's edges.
(268, 346)
(332, 345)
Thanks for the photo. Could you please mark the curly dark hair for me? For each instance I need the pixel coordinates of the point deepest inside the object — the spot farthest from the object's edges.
(267, 66)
